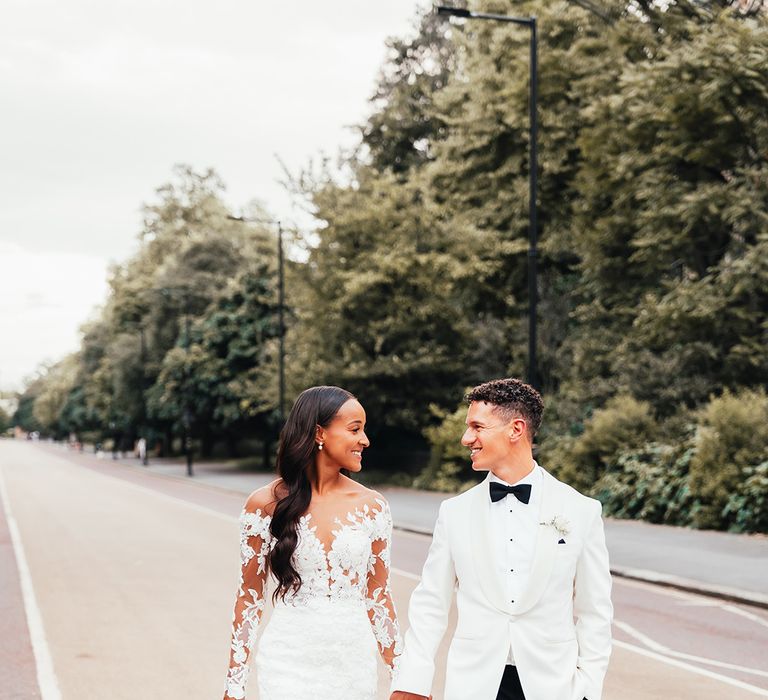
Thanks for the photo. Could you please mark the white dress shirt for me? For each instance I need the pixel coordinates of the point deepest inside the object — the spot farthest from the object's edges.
(515, 525)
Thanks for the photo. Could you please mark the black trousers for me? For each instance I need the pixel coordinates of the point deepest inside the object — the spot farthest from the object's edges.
(510, 688)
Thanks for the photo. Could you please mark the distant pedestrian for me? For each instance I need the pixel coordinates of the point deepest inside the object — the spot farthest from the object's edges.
(141, 450)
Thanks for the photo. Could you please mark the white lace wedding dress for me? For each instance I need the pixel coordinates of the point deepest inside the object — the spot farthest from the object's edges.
(321, 642)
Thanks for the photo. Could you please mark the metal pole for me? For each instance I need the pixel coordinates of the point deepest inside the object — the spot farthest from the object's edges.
(187, 409)
(281, 305)
(533, 371)
(144, 430)
(533, 378)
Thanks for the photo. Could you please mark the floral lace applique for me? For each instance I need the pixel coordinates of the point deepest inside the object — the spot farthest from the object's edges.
(255, 544)
(355, 567)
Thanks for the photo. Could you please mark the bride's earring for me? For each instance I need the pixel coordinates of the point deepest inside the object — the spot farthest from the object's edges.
(319, 445)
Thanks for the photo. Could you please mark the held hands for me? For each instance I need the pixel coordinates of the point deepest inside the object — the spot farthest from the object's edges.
(402, 695)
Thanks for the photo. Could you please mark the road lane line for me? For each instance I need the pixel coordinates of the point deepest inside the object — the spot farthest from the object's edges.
(46, 676)
(744, 613)
(661, 649)
(693, 599)
(640, 637)
(693, 669)
(405, 574)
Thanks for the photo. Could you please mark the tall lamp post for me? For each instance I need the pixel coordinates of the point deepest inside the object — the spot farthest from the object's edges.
(529, 22)
(186, 418)
(280, 301)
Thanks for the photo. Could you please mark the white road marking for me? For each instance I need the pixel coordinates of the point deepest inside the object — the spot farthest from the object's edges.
(46, 676)
(693, 669)
(744, 613)
(691, 599)
(661, 649)
(405, 574)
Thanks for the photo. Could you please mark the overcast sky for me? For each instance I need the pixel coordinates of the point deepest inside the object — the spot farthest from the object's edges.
(100, 99)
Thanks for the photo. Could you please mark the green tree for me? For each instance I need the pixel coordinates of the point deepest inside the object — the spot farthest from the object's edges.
(381, 302)
(400, 134)
(224, 375)
(5, 421)
(24, 416)
(669, 194)
(190, 249)
(48, 405)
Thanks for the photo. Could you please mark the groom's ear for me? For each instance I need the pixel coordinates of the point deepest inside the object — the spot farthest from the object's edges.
(517, 429)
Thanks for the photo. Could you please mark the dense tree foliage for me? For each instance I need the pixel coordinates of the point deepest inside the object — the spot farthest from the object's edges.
(5, 420)
(187, 327)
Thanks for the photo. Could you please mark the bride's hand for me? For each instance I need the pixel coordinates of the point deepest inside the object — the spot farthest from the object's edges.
(402, 695)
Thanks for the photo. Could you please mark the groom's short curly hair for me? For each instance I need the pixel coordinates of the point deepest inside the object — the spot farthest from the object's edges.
(513, 399)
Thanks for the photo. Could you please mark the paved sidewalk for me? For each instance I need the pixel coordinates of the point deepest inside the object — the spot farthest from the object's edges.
(720, 564)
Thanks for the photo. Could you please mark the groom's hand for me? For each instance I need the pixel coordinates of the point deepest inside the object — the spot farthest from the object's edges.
(402, 695)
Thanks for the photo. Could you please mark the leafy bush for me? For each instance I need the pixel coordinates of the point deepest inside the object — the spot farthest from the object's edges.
(449, 468)
(747, 508)
(623, 424)
(649, 483)
(708, 480)
(731, 438)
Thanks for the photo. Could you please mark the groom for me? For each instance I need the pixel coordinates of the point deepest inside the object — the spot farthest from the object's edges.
(526, 555)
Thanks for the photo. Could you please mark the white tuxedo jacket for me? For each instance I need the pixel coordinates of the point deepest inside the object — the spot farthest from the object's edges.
(559, 629)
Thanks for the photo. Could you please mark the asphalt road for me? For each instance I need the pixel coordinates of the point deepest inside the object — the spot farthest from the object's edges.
(127, 580)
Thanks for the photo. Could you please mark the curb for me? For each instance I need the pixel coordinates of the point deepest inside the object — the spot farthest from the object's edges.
(710, 590)
(734, 595)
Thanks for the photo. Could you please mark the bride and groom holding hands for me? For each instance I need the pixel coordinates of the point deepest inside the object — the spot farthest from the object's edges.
(524, 554)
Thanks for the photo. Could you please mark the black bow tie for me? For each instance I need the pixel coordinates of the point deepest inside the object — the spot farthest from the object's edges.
(522, 492)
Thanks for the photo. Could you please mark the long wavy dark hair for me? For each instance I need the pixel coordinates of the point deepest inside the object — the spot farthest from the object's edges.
(295, 463)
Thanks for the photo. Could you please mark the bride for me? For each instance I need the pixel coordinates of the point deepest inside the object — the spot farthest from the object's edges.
(323, 541)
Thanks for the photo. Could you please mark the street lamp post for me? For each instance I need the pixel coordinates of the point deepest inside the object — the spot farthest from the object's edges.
(143, 453)
(529, 22)
(187, 414)
(280, 303)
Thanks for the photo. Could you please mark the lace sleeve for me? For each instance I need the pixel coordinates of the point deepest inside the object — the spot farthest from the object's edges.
(255, 540)
(381, 609)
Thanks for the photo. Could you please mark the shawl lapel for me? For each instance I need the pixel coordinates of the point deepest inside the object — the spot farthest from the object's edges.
(481, 542)
(545, 547)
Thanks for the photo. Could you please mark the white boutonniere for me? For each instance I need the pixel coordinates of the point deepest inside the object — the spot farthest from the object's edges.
(561, 525)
